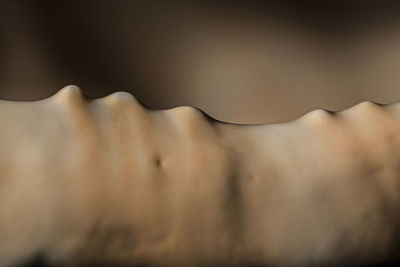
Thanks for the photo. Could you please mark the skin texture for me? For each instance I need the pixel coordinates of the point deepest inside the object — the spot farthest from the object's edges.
(109, 182)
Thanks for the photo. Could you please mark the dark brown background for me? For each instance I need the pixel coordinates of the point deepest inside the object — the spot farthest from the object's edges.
(240, 61)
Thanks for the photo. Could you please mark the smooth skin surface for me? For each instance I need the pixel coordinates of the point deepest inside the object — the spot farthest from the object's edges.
(109, 182)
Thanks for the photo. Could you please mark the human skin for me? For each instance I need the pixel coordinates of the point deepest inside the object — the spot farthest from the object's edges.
(107, 181)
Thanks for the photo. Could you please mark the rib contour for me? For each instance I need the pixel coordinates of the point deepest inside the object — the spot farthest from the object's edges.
(108, 181)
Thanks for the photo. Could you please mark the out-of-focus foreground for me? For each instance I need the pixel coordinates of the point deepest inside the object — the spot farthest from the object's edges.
(239, 62)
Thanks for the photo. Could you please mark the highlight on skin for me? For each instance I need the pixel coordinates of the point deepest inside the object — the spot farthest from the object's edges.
(109, 182)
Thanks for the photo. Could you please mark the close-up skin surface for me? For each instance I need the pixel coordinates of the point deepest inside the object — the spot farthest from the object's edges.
(109, 182)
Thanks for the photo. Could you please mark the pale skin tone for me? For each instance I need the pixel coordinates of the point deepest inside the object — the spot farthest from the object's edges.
(107, 181)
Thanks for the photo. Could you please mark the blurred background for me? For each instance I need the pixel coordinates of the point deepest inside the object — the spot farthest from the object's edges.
(239, 61)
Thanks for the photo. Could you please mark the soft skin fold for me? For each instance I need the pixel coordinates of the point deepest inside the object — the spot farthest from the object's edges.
(108, 181)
